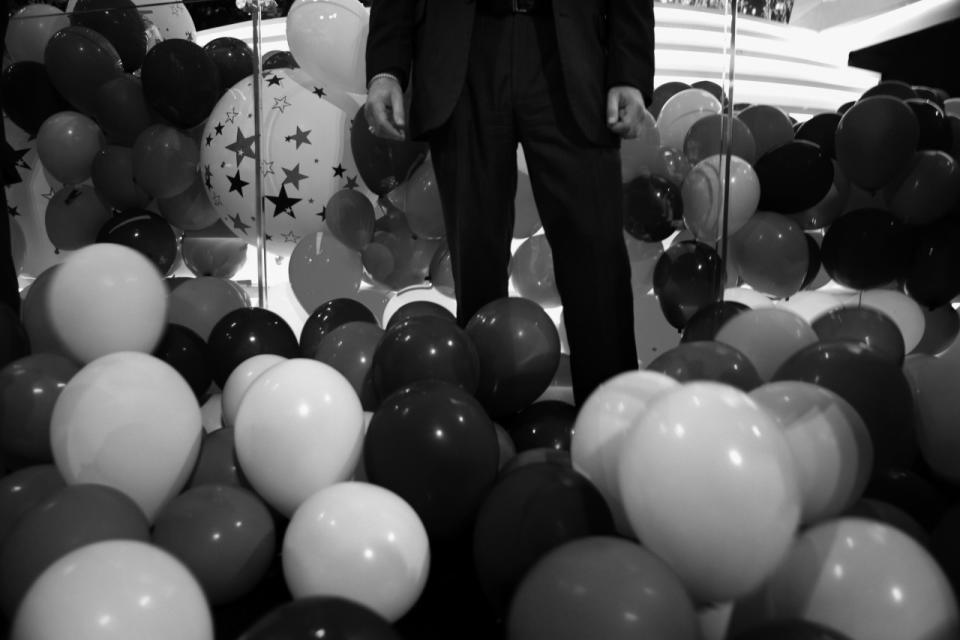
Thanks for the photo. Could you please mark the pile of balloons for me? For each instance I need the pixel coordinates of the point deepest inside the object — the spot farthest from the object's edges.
(408, 479)
(341, 459)
(866, 196)
(177, 463)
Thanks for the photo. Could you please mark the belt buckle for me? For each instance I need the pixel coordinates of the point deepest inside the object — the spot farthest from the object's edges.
(521, 6)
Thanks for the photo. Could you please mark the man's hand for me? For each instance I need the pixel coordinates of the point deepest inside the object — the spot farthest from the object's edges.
(625, 111)
(384, 108)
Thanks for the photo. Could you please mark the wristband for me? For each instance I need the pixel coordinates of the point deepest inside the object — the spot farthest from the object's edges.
(379, 76)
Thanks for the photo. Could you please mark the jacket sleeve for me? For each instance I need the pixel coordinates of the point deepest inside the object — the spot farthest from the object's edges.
(630, 58)
(390, 39)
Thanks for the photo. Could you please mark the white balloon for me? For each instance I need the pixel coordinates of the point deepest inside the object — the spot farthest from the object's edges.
(361, 542)
(130, 421)
(829, 441)
(299, 429)
(115, 590)
(240, 380)
(601, 426)
(328, 37)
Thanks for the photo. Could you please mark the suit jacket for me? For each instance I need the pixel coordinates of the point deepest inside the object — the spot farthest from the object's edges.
(602, 43)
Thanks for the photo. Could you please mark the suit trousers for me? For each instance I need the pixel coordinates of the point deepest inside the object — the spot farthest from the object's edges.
(514, 94)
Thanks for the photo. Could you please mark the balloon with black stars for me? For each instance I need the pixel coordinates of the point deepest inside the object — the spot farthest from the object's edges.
(305, 156)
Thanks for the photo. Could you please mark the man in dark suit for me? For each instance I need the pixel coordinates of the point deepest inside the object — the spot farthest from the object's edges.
(566, 79)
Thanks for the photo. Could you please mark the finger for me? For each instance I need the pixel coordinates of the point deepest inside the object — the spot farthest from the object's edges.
(377, 115)
(613, 107)
(380, 122)
(396, 105)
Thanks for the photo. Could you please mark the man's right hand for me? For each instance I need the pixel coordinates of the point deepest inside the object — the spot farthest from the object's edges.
(384, 108)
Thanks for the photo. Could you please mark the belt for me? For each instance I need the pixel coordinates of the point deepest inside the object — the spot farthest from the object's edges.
(506, 7)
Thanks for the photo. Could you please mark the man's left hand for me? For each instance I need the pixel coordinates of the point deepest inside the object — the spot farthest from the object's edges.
(625, 111)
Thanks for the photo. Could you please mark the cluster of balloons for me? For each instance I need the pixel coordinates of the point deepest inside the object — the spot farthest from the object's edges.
(104, 103)
(866, 196)
(175, 461)
(113, 407)
(402, 477)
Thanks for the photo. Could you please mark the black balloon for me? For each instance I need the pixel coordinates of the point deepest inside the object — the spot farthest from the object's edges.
(793, 177)
(14, 343)
(540, 455)
(929, 93)
(865, 325)
(821, 129)
(712, 88)
(866, 248)
(383, 164)
(279, 60)
(425, 348)
(688, 276)
(184, 350)
(29, 97)
(912, 493)
(663, 93)
(121, 110)
(706, 322)
(895, 88)
(432, 444)
(181, 82)
(327, 617)
(420, 308)
(247, 332)
(652, 208)
(146, 232)
(530, 511)
(327, 317)
(876, 387)
(935, 131)
(547, 424)
(708, 360)
(234, 60)
(79, 61)
(120, 22)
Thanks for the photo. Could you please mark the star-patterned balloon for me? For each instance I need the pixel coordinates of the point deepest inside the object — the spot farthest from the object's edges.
(305, 157)
(172, 20)
(28, 191)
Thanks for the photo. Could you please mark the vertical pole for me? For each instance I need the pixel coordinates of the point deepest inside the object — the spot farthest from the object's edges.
(256, 10)
(726, 136)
